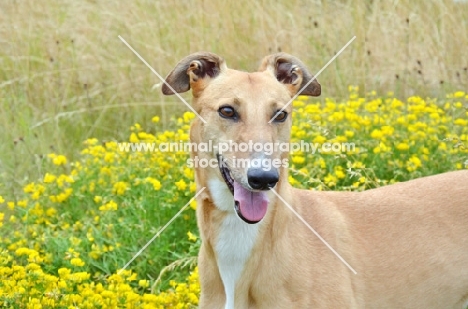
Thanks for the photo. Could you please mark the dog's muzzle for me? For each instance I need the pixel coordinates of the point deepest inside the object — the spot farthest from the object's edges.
(250, 204)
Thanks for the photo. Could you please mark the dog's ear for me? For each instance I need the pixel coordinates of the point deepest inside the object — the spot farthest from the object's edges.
(292, 72)
(194, 72)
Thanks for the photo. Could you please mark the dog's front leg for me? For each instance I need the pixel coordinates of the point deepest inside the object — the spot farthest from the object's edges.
(212, 290)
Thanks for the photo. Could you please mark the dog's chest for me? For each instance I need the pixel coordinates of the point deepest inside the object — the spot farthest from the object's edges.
(234, 242)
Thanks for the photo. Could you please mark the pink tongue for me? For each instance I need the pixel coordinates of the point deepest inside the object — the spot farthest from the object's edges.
(252, 205)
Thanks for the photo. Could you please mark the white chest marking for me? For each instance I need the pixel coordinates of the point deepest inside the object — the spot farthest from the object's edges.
(235, 240)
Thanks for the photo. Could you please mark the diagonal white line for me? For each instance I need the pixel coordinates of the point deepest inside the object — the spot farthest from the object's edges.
(314, 231)
(315, 77)
(160, 231)
(161, 78)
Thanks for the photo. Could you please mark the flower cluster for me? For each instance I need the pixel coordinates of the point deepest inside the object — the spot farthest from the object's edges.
(64, 240)
(394, 140)
(31, 286)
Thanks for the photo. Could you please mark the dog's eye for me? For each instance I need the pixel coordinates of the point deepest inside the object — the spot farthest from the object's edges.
(227, 112)
(280, 116)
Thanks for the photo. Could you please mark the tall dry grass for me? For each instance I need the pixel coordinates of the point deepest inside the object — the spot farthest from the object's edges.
(65, 76)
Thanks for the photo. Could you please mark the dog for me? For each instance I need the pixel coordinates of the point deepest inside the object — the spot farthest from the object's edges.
(407, 243)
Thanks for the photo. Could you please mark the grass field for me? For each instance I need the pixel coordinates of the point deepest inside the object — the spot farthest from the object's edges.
(74, 209)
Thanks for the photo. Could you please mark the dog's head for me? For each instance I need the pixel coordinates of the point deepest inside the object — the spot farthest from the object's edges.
(248, 121)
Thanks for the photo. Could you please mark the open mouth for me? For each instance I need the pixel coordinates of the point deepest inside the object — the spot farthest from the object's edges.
(250, 206)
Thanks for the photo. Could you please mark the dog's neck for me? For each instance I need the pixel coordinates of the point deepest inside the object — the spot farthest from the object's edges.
(230, 238)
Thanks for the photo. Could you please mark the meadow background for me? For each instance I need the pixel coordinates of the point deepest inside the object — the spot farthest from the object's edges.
(73, 209)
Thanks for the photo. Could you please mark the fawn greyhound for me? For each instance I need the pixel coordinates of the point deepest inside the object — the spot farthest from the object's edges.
(408, 242)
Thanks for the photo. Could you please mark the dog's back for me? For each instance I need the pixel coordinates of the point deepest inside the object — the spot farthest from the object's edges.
(408, 242)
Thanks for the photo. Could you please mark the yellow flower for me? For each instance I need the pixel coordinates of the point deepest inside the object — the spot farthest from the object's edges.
(64, 272)
(144, 283)
(33, 266)
(388, 130)
(1, 200)
(58, 159)
(189, 172)
(459, 94)
(193, 204)
(413, 164)
(29, 188)
(461, 122)
(181, 185)
(109, 206)
(349, 133)
(156, 184)
(22, 251)
(155, 119)
(292, 180)
(377, 134)
(61, 197)
(188, 116)
(77, 262)
(321, 163)
(49, 178)
(109, 157)
(319, 139)
(193, 186)
(191, 236)
(91, 141)
(120, 188)
(51, 212)
(298, 103)
(298, 159)
(442, 146)
(402, 146)
(134, 138)
(330, 180)
(340, 174)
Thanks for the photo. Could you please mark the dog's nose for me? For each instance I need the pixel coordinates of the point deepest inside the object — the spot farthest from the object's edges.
(260, 179)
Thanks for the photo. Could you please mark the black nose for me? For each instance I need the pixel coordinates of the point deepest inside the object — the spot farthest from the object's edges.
(260, 179)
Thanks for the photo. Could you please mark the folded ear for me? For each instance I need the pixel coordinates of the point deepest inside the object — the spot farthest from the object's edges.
(194, 72)
(292, 72)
